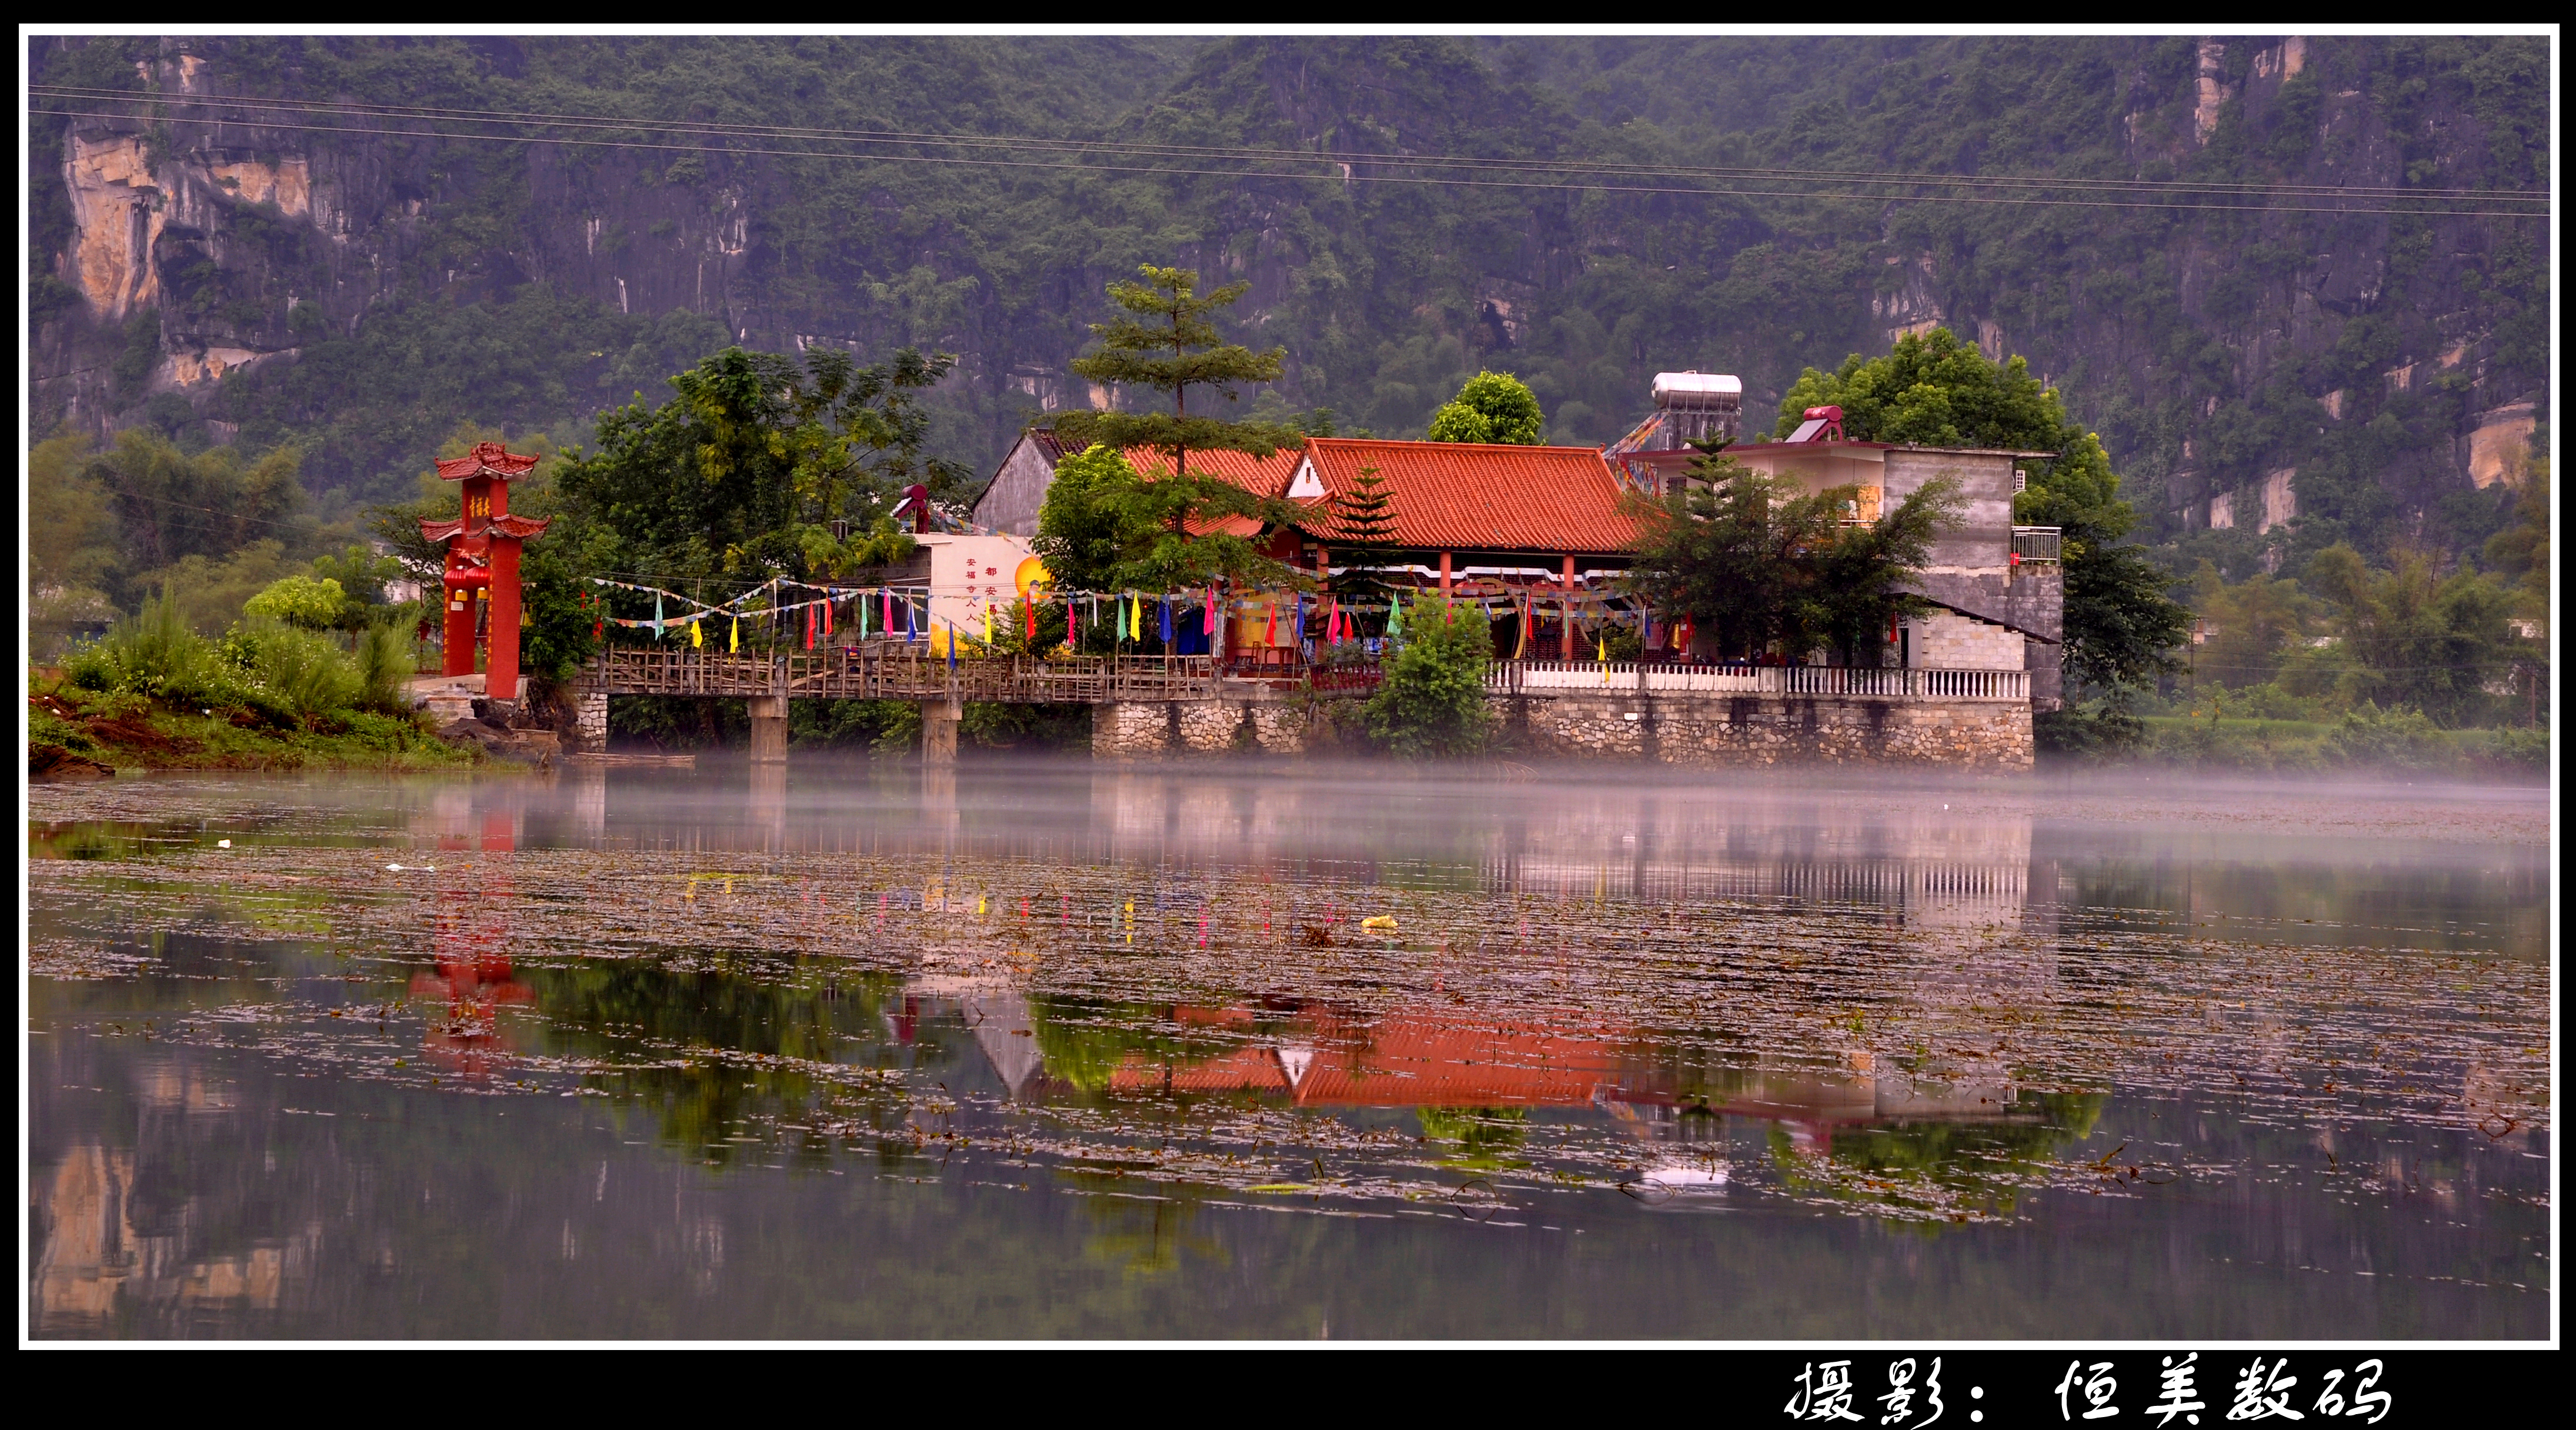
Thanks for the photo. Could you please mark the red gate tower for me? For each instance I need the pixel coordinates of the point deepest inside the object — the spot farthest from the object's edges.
(482, 582)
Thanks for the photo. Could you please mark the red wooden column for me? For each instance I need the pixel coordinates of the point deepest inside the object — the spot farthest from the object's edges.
(1444, 573)
(1565, 637)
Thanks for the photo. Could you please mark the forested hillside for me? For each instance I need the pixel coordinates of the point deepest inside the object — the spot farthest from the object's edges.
(321, 269)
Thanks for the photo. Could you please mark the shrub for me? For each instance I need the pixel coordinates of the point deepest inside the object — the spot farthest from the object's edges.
(304, 671)
(386, 660)
(2398, 737)
(150, 653)
(1433, 700)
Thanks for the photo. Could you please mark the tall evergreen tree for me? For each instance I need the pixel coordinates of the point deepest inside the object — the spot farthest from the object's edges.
(1166, 342)
(1361, 538)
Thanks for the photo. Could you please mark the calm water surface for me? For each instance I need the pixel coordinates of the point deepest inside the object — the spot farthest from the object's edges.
(1059, 1051)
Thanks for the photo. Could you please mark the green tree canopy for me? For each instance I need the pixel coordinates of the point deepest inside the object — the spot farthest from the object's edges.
(2122, 625)
(1491, 407)
(1751, 559)
(741, 473)
(2420, 638)
(1432, 702)
(1106, 528)
(1166, 342)
(306, 602)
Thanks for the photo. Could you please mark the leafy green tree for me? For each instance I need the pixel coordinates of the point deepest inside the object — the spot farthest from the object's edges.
(739, 476)
(2253, 624)
(1727, 550)
(71, 527)
(1082, 537)
(1166, 342)
(2122, 624)
(304, 602)
(2419, 638)
(170, 506)
(1752, 559)
(1854, 591)
(1432, 702)
(2520, 552)
(1491, 407)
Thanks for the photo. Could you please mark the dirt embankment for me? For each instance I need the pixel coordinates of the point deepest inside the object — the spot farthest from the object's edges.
(76, 734)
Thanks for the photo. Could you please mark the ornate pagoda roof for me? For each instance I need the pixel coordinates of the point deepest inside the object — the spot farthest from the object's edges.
(488, 459)
(511, 524)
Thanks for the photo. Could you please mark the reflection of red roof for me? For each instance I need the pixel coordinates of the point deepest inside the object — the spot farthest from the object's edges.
(1480, 496)
(1422, 1059)
(489, 459)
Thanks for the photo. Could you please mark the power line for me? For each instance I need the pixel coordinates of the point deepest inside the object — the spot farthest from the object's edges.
(1353, 176)
(1132, 148)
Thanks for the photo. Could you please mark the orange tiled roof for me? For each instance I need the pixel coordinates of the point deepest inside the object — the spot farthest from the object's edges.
(1478, 496)
(1261, 476)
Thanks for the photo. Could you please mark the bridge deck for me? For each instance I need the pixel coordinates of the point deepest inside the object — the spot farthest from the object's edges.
(897, 672)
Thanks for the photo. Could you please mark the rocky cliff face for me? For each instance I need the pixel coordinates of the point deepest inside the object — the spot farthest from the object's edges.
(247, 275)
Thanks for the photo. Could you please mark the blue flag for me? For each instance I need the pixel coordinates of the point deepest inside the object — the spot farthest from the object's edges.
(1167, 620)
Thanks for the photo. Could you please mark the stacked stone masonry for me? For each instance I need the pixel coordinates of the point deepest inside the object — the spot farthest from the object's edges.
(1721, 731)
(1161, 729)
(1773, 730)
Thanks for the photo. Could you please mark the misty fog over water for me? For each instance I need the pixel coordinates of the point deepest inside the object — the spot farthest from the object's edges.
(1061, 1049)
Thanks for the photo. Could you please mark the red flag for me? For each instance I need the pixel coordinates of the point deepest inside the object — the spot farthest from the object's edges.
(827, 617)
(1270, 633)
(1032, 608)
(809, 627)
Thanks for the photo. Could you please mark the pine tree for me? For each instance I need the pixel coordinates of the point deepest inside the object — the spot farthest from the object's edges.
(1166, 342)
(1362, 538)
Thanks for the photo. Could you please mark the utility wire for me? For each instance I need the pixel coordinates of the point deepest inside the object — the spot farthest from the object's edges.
(1354, 176)
(1256, 153)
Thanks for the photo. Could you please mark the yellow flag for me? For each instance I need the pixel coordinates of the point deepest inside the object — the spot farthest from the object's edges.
(695, 638)
(988, 623)
(737, 634)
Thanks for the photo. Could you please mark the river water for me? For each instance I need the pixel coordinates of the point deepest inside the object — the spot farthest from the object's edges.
(1056, 1050)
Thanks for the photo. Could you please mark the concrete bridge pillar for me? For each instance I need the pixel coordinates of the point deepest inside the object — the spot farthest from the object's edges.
(768, 729)
(939, 731)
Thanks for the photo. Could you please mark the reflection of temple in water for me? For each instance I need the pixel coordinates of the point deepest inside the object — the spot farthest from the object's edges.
(1315, 1055)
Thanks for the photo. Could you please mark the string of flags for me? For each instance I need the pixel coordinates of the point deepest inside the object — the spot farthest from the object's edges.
(906, 612)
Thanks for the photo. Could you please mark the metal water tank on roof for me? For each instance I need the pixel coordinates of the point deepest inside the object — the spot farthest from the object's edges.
(1700, 390)
(1698, 406)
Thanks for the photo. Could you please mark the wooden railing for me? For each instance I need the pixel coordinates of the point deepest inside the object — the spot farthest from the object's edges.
(894, 671)
(1866, 682)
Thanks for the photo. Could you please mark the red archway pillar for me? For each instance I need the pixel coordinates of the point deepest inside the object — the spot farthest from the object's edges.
(501, 667)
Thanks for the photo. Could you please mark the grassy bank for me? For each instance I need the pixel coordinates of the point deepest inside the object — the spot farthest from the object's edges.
(73, 732)
(2367, 739)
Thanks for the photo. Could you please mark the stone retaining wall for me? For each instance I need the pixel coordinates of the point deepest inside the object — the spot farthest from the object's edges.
(1708, 730)
(1769, 730)
(1160, 729)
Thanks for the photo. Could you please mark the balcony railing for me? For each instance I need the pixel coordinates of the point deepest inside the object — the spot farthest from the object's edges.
(2035, 545)
(1866, 682)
